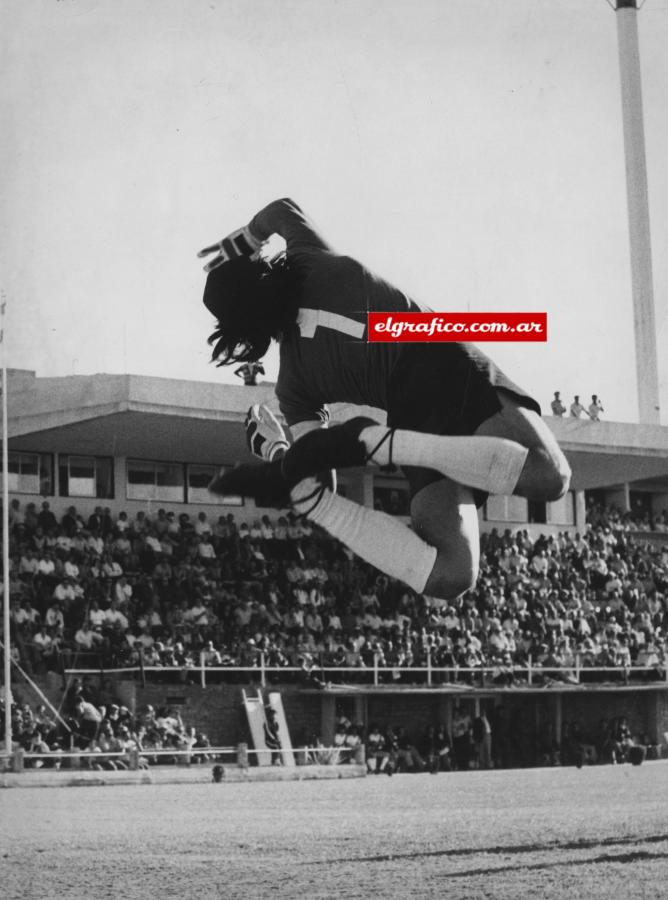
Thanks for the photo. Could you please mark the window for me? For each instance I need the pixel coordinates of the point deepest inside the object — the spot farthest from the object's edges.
(537, 511)
(562, 512)
(391, 498)
(86, 476)
(30, 473)
(155, 481)
(198, 492)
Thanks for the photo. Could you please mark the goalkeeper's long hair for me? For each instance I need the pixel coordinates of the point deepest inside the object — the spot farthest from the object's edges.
(254, 301)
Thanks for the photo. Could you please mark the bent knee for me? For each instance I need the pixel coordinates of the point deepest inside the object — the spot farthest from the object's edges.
(550, 476)
(557, 481)
(449, 580)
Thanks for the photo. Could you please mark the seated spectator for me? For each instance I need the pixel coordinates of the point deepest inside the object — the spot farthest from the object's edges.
(86, 639)
(211, 656)
(377, 757)
(406, 754)
(430, 750)
(623, 740)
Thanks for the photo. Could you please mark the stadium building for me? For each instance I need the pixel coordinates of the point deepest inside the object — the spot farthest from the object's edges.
(136, 442)
(140, 443)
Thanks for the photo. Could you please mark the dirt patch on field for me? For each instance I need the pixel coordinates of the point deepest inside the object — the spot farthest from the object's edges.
(548, 834)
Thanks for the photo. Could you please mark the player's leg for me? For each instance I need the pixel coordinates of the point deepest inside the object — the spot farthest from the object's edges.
(546, 473)
(439, 557)
(512, 452)
(378, 538)
(444, 515)
(439, 399)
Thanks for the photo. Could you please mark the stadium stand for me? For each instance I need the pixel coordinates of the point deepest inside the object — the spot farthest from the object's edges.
(109, 734)
(162, 591)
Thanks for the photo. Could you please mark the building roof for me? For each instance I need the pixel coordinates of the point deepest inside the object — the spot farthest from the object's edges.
(202, 422)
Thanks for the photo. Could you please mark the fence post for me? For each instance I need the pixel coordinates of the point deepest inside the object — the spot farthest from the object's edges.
(75, 761)
(202, 675)
(529, 672)
(375, 668)
(429, 666)
(19, 759)
(577, 666)
(242, 756)
(263, 677)
(134, 759)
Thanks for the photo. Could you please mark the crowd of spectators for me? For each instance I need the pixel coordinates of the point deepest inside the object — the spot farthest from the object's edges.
(169, 591)
(107, 730)
(577, 408)
(493, 738)
(607, 516)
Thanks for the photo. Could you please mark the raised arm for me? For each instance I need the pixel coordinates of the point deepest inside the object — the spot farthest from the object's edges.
(282, 217)
(285, 218)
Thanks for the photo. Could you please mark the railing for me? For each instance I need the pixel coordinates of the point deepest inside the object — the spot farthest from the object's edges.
(378, 675)
(135, 759)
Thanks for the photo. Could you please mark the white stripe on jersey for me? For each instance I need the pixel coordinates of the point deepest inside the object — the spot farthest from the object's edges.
(309, 319)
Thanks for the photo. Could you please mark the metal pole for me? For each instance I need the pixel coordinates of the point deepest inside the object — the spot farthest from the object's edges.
(5, 540)
(638, 207)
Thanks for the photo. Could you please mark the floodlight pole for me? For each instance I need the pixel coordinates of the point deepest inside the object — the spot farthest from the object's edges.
(638, 209)
(5, 539)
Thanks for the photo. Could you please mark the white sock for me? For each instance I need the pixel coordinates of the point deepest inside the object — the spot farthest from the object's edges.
(381, 540)
(487, 463)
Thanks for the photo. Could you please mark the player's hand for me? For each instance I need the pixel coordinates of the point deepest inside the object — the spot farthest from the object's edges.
(241, 242)
(264, 435)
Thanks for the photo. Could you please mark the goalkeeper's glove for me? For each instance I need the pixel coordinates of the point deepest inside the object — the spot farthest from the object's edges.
(241, 242)
(264, 434)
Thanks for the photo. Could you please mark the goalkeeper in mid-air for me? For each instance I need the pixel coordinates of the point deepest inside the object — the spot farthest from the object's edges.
(457, 426)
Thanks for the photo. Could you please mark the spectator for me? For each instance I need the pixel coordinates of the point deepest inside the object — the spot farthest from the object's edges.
(577, 408)
(408, 757)
(595, 408)
(272, 738)
(481, 733)
(377, 756)
(249, 372)
(558, 408)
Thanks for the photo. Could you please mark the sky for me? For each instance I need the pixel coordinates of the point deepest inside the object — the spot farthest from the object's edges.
(469, 152)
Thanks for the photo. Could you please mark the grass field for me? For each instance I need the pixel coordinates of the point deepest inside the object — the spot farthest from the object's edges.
(548, 834)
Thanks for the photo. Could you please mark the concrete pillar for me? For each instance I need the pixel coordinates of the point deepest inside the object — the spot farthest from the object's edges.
(638, 213)
(656, 703)
(360, 710)
(120, 480)
(620, 497)
(19, 760)
(443, 715)
(327, 719)
(580, 511)
(557, 715)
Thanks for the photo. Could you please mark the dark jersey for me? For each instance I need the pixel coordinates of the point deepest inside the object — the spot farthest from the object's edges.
(447, 388)
(325, 357)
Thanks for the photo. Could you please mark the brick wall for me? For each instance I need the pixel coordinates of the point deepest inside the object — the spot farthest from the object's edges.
(639, 708)
(412, 713)
(217, 709)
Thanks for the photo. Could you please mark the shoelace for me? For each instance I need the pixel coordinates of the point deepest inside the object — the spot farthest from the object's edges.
(317, 493)
(388, 434)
